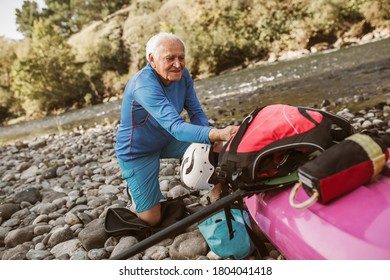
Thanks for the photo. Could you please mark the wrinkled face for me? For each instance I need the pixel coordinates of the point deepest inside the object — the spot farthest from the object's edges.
(169, 61)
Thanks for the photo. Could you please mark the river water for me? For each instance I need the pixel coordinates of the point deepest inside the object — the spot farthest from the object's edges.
(357, 70)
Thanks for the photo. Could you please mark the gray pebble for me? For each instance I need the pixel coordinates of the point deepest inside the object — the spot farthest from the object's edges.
(98, 254)
(37, 254)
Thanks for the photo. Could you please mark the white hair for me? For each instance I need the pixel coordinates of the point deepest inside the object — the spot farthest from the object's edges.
(154, 43)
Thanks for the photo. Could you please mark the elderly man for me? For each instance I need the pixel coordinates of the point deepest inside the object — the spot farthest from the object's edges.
(151, 127)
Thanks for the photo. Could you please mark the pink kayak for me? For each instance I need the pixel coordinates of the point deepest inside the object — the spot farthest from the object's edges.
(354, 226)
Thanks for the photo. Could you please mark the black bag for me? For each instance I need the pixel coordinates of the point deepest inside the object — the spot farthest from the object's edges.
(273, 141)
(121, 221)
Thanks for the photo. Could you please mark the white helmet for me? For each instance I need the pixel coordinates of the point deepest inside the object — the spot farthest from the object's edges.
(196, 167)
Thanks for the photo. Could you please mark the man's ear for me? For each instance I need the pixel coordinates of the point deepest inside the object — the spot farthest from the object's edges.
(151, 60)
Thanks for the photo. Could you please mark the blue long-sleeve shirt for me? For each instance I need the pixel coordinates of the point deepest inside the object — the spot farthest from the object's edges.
(150, 115)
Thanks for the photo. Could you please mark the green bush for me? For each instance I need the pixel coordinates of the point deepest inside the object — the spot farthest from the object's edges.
(47, 78)
(106, 61)
(10, 106)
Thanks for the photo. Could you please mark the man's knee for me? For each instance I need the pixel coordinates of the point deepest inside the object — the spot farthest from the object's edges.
(151, 216)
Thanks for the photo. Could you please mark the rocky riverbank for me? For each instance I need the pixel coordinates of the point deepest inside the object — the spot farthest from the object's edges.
(55, 191)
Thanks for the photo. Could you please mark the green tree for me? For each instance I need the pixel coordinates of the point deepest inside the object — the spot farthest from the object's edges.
(47, 78)
(8, 102)
(26, 17)
(86, 11)
(107, 61)
(60, 13)
(7, 58)
(68, 15)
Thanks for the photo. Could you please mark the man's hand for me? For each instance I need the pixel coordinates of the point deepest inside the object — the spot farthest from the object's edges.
(223, 134)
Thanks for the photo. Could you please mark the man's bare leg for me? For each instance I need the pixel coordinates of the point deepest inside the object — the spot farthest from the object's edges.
(151, 216)
(215, 192)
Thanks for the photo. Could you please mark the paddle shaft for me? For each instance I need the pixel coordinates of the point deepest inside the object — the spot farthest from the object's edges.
(180, 226)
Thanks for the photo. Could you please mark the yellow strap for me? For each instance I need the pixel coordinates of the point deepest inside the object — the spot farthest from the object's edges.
(304, 204)
(373, 151)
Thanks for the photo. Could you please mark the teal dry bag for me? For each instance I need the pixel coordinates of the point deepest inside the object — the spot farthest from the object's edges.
(216, 233)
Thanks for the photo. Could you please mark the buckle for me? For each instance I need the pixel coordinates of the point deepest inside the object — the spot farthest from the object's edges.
(221, 174)
(250, 117)
(236, 174)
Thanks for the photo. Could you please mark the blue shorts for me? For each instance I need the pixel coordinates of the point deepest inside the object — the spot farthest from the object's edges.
(141, 175)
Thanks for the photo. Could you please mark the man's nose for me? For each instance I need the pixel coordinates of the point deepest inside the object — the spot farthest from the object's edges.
(177, 63)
